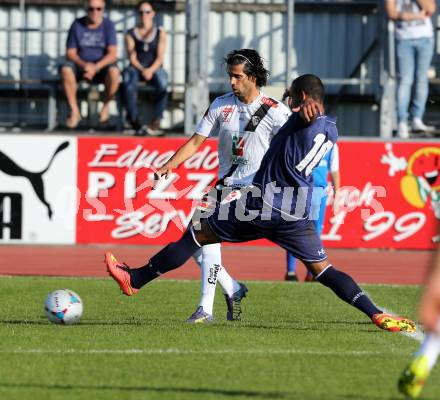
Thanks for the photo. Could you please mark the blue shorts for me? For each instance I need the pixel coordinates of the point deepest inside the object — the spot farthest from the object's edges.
(299, 237)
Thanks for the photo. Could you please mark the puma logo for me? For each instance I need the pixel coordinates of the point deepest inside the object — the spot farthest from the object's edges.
(10, 167)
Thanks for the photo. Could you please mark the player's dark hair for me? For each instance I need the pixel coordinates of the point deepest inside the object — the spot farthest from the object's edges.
(253, 64)
(309, 84)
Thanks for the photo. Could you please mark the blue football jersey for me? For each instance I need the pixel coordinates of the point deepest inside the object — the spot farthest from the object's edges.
(285, 175)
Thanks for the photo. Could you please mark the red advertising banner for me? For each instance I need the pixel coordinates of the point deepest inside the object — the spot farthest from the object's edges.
(118, 205)
(390, 196)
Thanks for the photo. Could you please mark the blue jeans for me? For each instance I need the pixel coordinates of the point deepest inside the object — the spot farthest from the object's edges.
(129, 89)
(413, 60)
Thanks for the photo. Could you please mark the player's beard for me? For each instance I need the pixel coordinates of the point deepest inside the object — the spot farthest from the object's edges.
(238, 94)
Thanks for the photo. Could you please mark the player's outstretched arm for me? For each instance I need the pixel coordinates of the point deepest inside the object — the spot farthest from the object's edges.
(183, 153)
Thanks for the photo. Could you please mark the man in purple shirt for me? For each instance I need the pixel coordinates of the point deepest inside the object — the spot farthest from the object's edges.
(91, 55)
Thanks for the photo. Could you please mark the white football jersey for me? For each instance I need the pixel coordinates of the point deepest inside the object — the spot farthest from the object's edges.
(237, 147)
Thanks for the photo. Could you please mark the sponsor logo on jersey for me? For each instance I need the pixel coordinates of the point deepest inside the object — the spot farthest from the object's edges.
(238, 156)
(227, 113)
(255, 120)
(270, 102)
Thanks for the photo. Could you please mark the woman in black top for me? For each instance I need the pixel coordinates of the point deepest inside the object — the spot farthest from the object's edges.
(146, 48)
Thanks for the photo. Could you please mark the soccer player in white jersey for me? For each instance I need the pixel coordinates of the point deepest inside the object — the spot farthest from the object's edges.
(246, 120)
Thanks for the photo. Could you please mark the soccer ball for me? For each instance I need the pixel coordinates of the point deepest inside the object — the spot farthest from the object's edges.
(63, 306)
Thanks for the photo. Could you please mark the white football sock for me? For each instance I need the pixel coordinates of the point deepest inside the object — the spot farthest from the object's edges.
(209, 259)
(228, 284)
(430, 348)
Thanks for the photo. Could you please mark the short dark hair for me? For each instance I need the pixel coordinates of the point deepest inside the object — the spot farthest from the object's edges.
(139, 4)
(309, 84)
(253, 64)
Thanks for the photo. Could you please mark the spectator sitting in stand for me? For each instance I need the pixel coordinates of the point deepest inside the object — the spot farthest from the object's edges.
(146, 47)
(91, 55)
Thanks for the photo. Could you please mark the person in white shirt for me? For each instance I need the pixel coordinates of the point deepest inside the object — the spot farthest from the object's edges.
(414, 49)
(246, 120)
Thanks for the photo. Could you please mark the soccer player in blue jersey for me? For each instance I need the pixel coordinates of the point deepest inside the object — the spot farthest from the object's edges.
(328, 164)
(275, 207)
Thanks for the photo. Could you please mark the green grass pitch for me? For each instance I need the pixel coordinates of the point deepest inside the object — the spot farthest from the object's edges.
(296, 341)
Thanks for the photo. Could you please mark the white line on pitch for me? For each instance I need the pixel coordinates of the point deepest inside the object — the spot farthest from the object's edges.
(357, 353)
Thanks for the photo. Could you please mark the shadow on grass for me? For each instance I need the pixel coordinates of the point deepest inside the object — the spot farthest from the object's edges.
(304, 325)
(90, 322)
(366, 397)
(199, 391)
(283, 325)
(44, 321)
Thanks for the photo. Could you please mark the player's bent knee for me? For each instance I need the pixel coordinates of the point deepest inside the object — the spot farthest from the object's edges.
(317, 267)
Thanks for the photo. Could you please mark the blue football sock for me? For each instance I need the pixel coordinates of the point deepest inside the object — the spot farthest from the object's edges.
(347, 289)
(170, 257)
